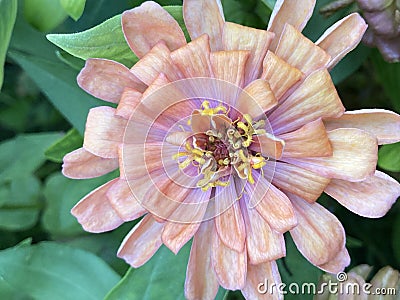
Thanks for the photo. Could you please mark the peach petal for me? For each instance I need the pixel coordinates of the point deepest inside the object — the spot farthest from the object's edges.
(319, 235)
(201, 281)
(95, 213)
(229, 265)
(315, 98)
(257, 41)
(383, 124)
(263, 243)
(205, 16)
(268, 145)
(355, 153)
(148, 24)
(81, 164)
(141, 242)
(104, 132)
(342, 37)
(107, 79)
(123, 202)
(193, 60)
(229, 222)
(371, 198)
(178, 138)
(337, 264)
(130, 99)
(293, 179)
(300, 52)
(311, 140)
(280, 75)
(262, 99)
(258, 276)
(295, 13)
(230, 65)
(157, 61)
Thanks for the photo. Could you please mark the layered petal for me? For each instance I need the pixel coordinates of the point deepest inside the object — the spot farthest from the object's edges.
(383, 124)
(148, 24)
(141, 242)
(342, 37)
(95, 213)
(315, 98)
(130, 99)
(319, 235)
(207, 17)
(104, 132)
(230, 65)
(81, 164)
(371, 198)
(337, 264)
(355, 153)
(268, 145)
(107, 79)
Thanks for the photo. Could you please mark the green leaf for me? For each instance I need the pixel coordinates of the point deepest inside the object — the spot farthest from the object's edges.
(74, 8)
(44, 15)
(72, 61)
(71, 141)
(389, 158)
(20, 210)
(8, 13)
(52, 271)
(162, 277)
(61, 195)
(24, 154)
(269, 3)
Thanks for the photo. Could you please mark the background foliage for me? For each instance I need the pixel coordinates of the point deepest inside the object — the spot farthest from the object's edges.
(44, 253)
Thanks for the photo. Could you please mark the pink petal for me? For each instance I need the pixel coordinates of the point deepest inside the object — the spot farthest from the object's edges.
(104, 132)
(130, 99)
(263, 243)
(229, 265)
(371, 198)
(355, 153)
(295, 13)
(342, 37)
(107, 79)
(205, 16)
(300, 52)
(315, 98)
(308, 141)
(383, 124)
(148, 24)
(193, 60)
(229, 65)
(238, 37)
(319, 236)
(81, 164)
(268, 145)
(201, 281)
(260, 278)
(94, 212)
(123, 202)
(141, 242)
(337, 264)
(280, 75)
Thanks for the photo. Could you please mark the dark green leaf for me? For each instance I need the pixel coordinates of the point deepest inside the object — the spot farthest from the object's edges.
(74, 8)
(389, 158)
(395, 238)
(44, 15)
(162, 277)
(72, 61)
(71, 141)
(52, 271)
(269, 3)
(8, 13)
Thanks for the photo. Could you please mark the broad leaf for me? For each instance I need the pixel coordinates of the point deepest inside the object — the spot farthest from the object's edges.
(389, 158)
(71, 141)
(74, 8)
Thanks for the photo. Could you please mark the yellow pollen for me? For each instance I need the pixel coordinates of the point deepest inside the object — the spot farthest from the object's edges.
(207, 111)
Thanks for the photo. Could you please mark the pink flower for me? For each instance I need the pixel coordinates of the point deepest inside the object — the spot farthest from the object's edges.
(230, 139)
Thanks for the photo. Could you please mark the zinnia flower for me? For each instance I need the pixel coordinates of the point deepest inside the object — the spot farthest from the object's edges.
(230, 139)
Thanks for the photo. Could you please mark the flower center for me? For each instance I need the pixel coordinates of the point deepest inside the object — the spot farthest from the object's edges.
(220, 146)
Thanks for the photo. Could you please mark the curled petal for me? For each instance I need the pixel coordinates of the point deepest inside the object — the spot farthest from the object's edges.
(268, 145)
(81, 164)
(383, 124)
(95, 213)
(371, 198)
(230, 65)
(130, 99)
(148, 24)
(205, 16)
(141, 242)
(336, 265)
(342, 37)
(319, 235)
(107, 79)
